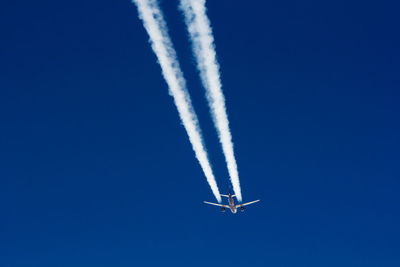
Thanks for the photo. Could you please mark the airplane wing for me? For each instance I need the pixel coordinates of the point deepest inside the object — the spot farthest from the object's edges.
(215, 204)
(248, 203)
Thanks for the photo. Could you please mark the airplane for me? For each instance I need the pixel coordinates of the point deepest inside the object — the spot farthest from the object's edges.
(231, 205)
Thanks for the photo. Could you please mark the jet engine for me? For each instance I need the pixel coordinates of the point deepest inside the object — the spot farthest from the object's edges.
(241, 209)
(223, 209)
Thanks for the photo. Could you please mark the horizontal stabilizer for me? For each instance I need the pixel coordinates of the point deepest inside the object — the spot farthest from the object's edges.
(226, 195)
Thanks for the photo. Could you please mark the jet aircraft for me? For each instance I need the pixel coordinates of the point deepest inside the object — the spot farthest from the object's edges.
(232, 206)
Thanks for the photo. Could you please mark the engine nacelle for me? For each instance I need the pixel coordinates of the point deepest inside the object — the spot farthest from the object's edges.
(223, 209)
(241, 209)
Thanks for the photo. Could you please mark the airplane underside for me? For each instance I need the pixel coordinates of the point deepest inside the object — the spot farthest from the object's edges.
(232, 206)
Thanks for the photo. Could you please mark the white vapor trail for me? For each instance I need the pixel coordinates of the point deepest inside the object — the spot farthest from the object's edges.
(202, 40)
(155, 26)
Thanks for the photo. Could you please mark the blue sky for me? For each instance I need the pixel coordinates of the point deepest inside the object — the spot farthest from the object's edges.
(96, 168)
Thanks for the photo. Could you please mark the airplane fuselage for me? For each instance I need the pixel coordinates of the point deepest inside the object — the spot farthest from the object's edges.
(232, 205)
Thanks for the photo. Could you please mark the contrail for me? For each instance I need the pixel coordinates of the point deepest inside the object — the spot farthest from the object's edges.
(203, 48)
(155, 25)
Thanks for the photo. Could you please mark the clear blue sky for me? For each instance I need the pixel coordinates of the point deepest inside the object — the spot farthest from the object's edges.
(96, 169)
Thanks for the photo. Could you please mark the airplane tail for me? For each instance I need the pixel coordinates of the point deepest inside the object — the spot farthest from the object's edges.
(226, 195)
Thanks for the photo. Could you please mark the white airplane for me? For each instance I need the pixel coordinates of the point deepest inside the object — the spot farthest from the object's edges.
(231, 205)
